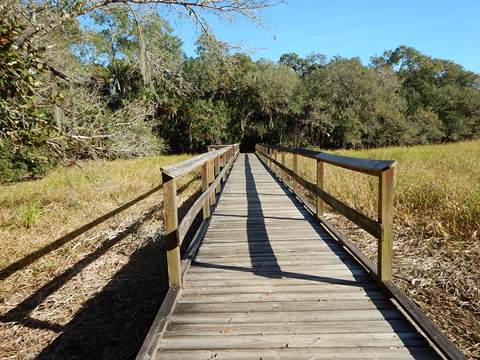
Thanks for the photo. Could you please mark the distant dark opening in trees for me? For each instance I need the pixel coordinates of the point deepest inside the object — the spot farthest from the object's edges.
(247, 144)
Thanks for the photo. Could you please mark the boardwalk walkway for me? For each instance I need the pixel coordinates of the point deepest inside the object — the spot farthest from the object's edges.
(268, 283)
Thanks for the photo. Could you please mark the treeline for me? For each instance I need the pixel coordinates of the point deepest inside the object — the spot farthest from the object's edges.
(116, 83)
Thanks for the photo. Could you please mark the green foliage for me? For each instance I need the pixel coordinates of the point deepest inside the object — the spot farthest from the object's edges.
(123, 87)
(24, 125)
(437, 85)
(22, 162)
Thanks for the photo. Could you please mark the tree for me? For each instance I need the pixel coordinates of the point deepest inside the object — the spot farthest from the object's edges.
(302, 66)
(438, 86)
(350, 105)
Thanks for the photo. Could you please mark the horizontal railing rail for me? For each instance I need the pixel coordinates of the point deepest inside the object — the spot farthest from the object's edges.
(218, 146)
(214, 166)
(381, 228)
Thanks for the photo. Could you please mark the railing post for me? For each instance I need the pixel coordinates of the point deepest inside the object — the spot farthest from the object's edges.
(320, 183)
(170, 214)
(211, 177)
(385, 218)
(204, 175)
(224, 165)
(295, 170)
(216, 164)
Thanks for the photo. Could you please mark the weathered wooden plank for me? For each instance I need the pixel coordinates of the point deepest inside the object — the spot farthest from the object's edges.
(299, 288)
(237, 273)
(283, 296)
(327, 256)
(305, 265)
(291, 341)
(285, 306)
(159, 324)
(324, 327)
(291, 316)
(367, 353)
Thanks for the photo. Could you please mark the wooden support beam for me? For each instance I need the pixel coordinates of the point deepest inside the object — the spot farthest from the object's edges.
(385, 218)
(170, 214)
(320, 209)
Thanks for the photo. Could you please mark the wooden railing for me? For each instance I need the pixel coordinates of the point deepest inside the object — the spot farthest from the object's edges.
(381, 228)
(214, 166)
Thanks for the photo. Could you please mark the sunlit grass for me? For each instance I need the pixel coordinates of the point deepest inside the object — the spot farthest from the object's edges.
(437, 187)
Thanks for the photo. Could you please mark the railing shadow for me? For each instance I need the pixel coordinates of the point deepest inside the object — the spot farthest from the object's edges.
(256, 228)
(36, 255)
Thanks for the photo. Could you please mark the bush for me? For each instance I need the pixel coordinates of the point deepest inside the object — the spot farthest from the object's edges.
(22, 162)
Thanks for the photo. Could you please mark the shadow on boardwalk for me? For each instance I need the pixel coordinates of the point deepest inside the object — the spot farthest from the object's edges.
(256, 228)
(114, 323)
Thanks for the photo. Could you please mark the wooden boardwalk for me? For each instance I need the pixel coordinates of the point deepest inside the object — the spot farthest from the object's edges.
(268, 282)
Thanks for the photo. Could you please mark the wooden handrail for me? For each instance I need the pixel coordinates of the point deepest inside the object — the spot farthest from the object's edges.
(185, 167)
(218, 146)
(214, 167)
(381, 228)
(367, 166)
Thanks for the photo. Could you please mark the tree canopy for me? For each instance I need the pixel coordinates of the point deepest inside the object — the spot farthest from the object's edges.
(123, 87)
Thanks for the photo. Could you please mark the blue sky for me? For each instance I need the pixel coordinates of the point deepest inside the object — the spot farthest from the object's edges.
(442, 28)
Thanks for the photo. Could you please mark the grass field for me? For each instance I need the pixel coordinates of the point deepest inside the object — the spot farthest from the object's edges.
(34, 213)
(437, 227)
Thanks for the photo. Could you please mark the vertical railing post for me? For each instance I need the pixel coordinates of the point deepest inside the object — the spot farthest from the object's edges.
(216, 164)
(295, 170)
(211, 177)
(270, 154)
(320, 184)
(204, 175)
(385, 218)
(224, 165)
(170, 214)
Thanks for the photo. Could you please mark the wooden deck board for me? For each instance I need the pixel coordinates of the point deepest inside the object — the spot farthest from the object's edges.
(269, 283)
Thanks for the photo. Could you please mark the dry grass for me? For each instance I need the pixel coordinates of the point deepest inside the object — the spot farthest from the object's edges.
(437, 228)
(34, 213)
(109, 264)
